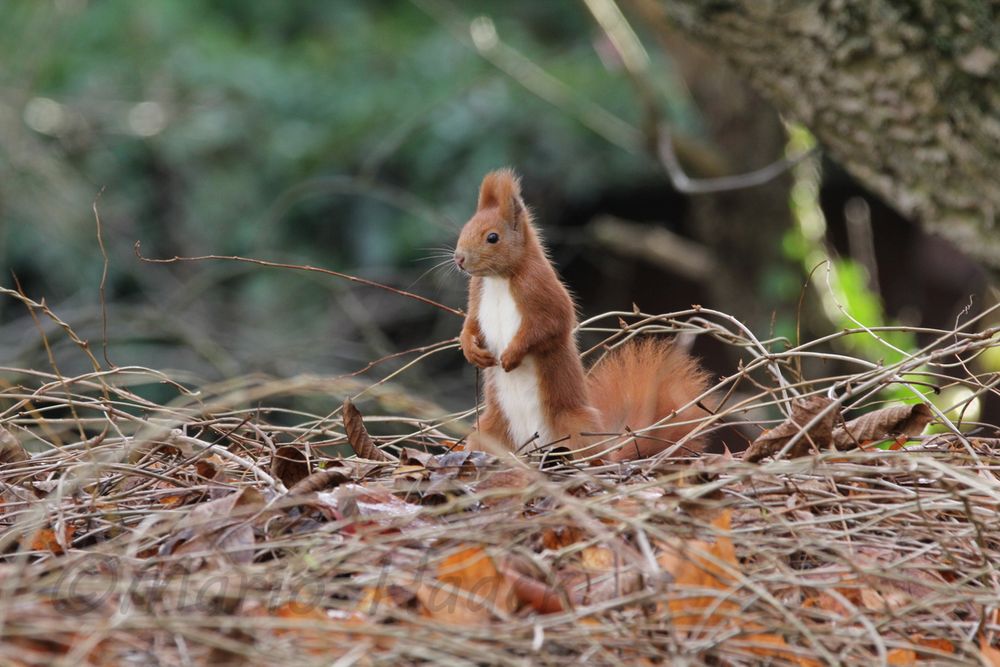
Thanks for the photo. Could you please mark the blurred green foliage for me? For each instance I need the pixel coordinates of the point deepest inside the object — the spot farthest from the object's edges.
(841, 283)
(345, 134)
(197, 117)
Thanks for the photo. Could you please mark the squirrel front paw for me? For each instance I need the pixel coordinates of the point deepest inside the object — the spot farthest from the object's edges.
(476, 354)
(510, 360)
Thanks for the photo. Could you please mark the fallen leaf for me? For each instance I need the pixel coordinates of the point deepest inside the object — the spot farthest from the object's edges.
(412, 473)
(296, 610)
(289, 464)
(473, 589)
(212, 467)
(888, 423)
(394, 596)
(11, 450)
(901, 657)
(14, 495)
(872, 600)
(370, 502)
(804, 410)
(937, 643)
(989, 654)
(218, 530)
(598, 559)
(898, 443)
(921, 578)
(320, 631)
(415, 458)
(770, 645)
(560, 537)
(461, 464)
(505, 486)
(535, 594)
(175, 500)
(318, 481)
(828, 603)
(46, 539)
(357, 435)
(704, 566)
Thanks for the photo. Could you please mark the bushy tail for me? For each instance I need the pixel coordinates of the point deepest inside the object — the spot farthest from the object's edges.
(640, 383)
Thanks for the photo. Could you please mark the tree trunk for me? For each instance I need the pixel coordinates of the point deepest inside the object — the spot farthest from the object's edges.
(904, 95)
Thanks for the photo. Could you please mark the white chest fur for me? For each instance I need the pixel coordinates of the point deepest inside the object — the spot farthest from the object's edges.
(517, 392)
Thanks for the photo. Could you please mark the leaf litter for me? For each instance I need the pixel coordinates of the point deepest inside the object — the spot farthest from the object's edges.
(201, 532)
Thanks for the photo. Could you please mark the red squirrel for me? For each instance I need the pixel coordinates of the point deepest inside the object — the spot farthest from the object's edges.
(520, 329)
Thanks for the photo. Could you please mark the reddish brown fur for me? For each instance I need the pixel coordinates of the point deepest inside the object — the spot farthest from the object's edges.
(659, 378)
(641, 383)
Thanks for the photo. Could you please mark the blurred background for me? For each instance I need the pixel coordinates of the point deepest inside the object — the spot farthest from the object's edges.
(353, 136)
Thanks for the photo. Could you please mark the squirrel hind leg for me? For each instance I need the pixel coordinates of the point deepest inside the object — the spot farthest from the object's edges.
(480, 441)
(578, 431)
(491, 435)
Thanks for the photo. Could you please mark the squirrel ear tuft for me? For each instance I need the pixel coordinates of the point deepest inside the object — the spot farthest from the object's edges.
(501, 189)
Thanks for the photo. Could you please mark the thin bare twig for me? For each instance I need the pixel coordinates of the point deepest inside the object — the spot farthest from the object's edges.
(104, 280)
(299, 267)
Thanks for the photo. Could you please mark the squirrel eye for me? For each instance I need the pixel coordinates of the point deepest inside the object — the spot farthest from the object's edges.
(492, 237)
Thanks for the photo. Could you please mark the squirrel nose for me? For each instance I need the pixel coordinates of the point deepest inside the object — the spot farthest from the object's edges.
(460, 259)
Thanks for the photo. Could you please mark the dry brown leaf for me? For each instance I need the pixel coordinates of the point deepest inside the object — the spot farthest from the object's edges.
(462, 464)
(289, 464)
(219, 530)
(598, 559)
(212, 467)
(319, 631)
(629, 506)
(473, 591)
(701, 565)
(560, 537)
(872, 600)
(829, 603)
(357, 435)
(804, 410)
(175, 500)
(11, 450)
(12, 495)
(937, 643)
(533, 593)
(892, 422)
(319, 481)
(613, 586)
(922, 578)
(415, 458)
(295, 610)
(394, 596)
(775, 646)
(505, 486)
(901, 657)
(375, 503)
(713, 565)
(411, 472)
(596, 574)
(46, 539)
(989, 654)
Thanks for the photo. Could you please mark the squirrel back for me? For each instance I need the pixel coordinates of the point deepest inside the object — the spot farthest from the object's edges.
(520, 329)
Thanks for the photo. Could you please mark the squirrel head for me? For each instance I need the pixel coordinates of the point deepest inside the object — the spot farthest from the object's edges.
(494, 241)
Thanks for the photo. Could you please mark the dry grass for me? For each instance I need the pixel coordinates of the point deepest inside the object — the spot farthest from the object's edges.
(163, 533)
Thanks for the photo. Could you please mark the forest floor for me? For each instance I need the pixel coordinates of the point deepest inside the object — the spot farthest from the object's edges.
(222, 527)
